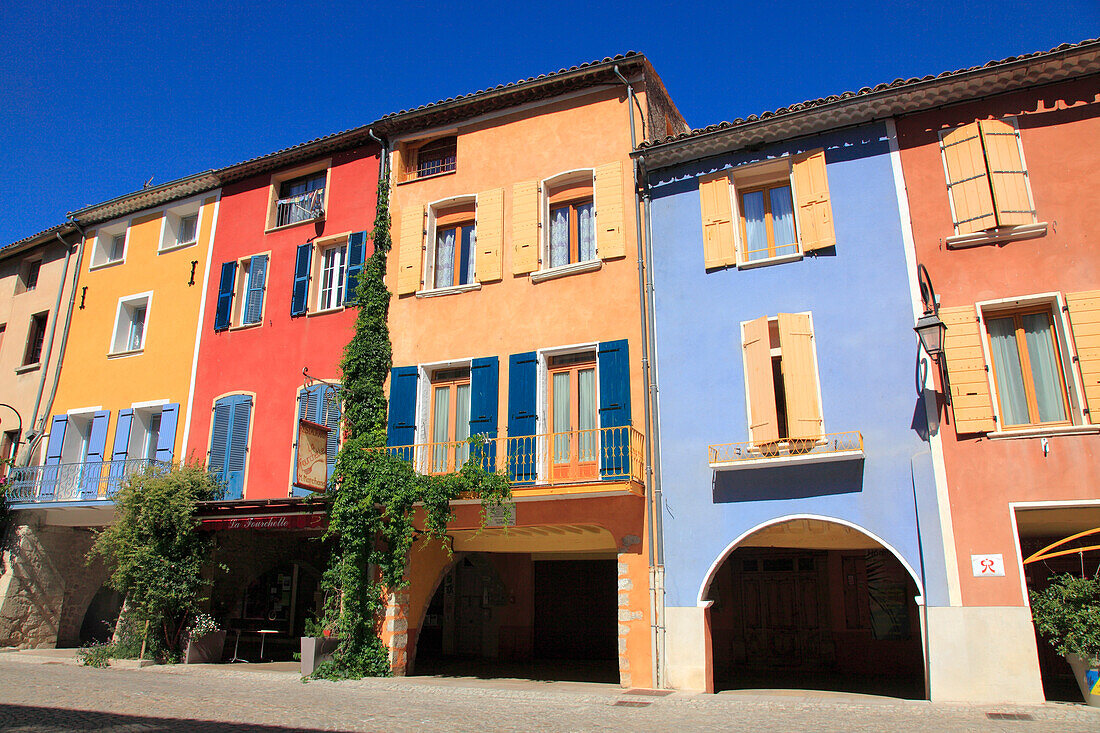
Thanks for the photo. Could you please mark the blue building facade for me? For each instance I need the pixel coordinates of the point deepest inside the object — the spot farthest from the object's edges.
(795, 467)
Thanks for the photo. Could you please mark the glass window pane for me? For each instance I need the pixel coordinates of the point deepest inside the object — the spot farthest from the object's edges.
(466, 256)
(445, 259)
(440, 428)
(188, 226)
(586, 228)
(1006, 365)
(1045, 368)
(562, 424)
(559, 236)
(756, 233)
(783, 220)
(462, 423)
(586, 417)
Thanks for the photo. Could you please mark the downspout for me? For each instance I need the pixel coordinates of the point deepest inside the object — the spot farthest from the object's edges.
(384, 156)
(34, 435)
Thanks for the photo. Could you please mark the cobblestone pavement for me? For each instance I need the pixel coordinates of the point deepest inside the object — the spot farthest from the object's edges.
(53, 696)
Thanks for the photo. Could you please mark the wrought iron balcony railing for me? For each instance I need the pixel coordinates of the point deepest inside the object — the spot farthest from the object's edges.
(832, 446)
(579, 456)
(303, 207)
(88, 481)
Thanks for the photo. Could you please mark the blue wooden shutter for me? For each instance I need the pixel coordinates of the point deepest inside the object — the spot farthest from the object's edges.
(254, 301)
(123, 425)
(401, 423)
(613, 364)
(300, 293)
(237, 454)
(219, 436)
(329, 405)
(484, 388)
(357, 254)
(522, 417)
(166, 441)
(225, 296)
(308, 400)
(90, 473)
(53, 457)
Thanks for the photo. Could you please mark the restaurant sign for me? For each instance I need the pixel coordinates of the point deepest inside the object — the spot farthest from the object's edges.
(270, 521)
(312, 466)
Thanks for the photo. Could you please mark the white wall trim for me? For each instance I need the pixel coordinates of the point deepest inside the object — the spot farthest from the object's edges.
(199, 329)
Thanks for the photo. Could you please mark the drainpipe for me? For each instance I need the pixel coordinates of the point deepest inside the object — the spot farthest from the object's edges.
(384, 156)
(34, 435)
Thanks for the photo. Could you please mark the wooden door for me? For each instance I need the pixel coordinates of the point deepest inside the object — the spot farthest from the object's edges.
(782, 611)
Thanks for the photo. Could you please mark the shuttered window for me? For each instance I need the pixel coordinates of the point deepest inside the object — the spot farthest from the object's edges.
(229, 442)
(986, 176)
(320, 404)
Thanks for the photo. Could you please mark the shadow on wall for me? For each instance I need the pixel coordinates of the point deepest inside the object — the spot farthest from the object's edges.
(798, 481)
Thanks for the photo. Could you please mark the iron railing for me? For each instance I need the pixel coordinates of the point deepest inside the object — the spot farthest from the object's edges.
(303, 207)
(578, 456)
(88, 481)
(835, 444)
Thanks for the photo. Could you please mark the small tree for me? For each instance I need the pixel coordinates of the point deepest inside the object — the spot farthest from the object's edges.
(155, 555)
(1067, 614)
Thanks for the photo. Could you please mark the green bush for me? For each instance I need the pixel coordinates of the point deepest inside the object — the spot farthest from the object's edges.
(96, 655)
(1067, 614)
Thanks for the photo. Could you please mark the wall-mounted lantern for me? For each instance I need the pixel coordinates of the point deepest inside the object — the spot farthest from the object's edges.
(930, 329)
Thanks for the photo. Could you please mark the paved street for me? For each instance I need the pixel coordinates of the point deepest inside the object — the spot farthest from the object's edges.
(49, 695)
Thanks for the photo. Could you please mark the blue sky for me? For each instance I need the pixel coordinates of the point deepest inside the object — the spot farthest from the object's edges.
(98, 97)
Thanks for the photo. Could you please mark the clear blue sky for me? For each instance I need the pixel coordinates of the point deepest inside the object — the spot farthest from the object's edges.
(97, 97)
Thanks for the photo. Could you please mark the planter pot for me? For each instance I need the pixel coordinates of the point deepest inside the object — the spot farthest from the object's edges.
(1088, 679)
(205, 649)
(317, 649)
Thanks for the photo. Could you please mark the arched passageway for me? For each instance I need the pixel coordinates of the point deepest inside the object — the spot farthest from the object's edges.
(810, 603)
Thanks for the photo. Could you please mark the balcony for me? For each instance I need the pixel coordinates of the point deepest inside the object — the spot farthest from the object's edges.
(303, 207)
(829, 447)
(552, 463)
(72, 482)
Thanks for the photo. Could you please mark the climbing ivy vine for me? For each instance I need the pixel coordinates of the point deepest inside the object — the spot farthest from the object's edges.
(372, 505)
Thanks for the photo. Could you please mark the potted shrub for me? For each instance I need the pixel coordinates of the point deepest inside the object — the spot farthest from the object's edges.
(1067, 614)
(205, 641)
(318, 645)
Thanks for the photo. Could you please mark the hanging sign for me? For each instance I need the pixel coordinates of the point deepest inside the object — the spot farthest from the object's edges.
(312, 469)
(988, 566)
(270, 521)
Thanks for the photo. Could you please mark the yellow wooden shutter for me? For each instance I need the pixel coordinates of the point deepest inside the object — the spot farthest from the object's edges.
(1007, 176)
(525, 227)
(410, 249)
(490, 235)
(607, 194)
(815, 208)
(763, 420)
(718, 244)
(967, 179)
(971, 400)
(1084, 317)
(796, 345)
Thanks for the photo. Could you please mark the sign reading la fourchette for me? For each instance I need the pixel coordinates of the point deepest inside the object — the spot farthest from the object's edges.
(270, 521)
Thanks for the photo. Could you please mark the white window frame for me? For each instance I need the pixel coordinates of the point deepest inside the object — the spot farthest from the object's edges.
(428, 270)
(170, 225)
(542, 402)
(545, 271)
(78, 434)
(138, 444)
(753, 175)
(1068, 348)
(339, 275)
(128, 302)
(104, 242)
(277, 179)
(422, 434)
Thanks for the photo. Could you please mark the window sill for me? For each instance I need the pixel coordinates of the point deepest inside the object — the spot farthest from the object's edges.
(997, 236)
(105, 265)
(776, 461)
(326, 311)
(424, 178)
(436, 292)
(1044, 432)
(293, 224)
(174, 247)
(246, 326)
(564, 270)
(121, 354)
(28, 367)
(750, 264)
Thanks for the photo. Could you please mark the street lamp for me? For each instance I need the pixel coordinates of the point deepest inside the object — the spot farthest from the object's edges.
(930, 329)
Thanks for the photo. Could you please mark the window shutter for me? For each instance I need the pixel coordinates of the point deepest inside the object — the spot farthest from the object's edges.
(53, 456)
(967, 182)
(121, 450)
(1007, 175)
(488, 266)
(299, 294)
(93, 459)
(525, 227)
(254, 303)
(307, 402)
(410, 248)
(522, 418)
(225, 296)
(763, 420)
(796, 343)
(607, 194)
(219, 436)
(484, 391)
(815, 209)
(401, 425)
(971, 400)
(328, 406)
(719, 247)
(1084, 317)
(357, 255)
(613, 365)
(237, 454)
(166, 441)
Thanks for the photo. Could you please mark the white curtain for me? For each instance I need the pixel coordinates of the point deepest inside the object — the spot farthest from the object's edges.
(586, 227)
(756, 232)
(586, 420)
(559, 237)
(1010, 377)
(440, 424)
(445, 259)
(462, 424)
(783, 221)
(1044, 367)
(562, 423)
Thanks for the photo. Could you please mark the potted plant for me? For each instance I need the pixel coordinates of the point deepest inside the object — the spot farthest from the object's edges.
(1067, 614)
(205, 641)
(318, 645)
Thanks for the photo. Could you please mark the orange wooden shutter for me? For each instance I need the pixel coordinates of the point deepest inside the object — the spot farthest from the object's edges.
(1007, 176)
(756, 344)
(967, 179)
(1084, 317)
(971, 400)
(719, 248)
(397, 160)
(815, 208)
(607, 194)
(525, 227)
(490, 235)
(410, 249)
(799, 376)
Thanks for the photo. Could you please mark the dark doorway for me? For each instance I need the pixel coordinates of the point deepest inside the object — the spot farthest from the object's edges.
(99, 621)
(575, 607)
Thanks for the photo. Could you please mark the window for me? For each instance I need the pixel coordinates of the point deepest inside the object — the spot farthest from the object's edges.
(30, 278)
(452, 245)
(229, 436)
(766, 212)
(1027, 367)
(301, 199)
(130, 322)
(144, 434)
(429, 158)
(241, 291)
(180, 226)
(319, 404)
(455, 246)
(450, 419)
(7, 450)
(79, 437)
(329, 279)
(110, 245)
(987, 180)
(781, 385)
(36, 334)
(573, 426)
(333, 269)
(572, 223)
